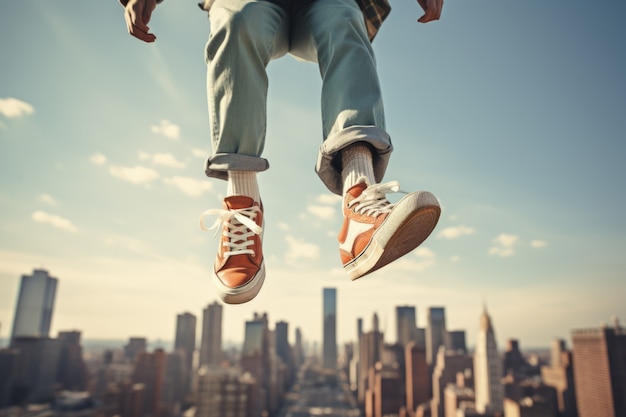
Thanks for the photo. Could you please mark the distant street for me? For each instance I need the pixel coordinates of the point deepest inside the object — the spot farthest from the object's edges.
(320, 392)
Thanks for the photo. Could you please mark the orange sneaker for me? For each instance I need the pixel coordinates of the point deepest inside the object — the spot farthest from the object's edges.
(376, 232)
(239, 269)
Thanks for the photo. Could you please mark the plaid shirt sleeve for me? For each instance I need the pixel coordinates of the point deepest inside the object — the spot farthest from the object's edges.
(374, 12)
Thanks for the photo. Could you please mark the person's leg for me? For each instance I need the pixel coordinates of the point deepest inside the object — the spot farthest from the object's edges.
(245, 36)
(333, 33)
(356, 148)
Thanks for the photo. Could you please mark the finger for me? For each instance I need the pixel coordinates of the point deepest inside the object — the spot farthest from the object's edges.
(149, 7)
(432, 11)
(136, 27)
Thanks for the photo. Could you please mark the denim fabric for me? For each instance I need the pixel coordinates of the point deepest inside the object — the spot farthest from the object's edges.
(246, 35)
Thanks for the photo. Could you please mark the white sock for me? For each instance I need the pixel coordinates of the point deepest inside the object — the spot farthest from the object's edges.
(243, 183)
(357, 162)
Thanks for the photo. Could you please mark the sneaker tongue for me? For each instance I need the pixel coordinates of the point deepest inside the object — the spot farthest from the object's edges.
(235, 202)
(357, 189)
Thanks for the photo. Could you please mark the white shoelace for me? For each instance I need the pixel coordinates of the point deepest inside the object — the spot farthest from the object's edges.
(372, 200)
(239, 227)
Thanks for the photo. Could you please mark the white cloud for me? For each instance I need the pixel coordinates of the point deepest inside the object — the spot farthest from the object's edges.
(48, 199)
(322, 212)
(504, 245)
(137, 175)
(283, 226)
(12, 107)
(167, 129)
(330, 199)
(538, 244)
(455, 232)
(423, 252)
(199, 153)
(190, 186)
(53, 220)
(98, 159)
(299, 249)
(163, 159)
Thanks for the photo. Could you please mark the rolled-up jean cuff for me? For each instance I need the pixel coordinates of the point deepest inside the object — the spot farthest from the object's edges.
(218, 165)
(328, 165)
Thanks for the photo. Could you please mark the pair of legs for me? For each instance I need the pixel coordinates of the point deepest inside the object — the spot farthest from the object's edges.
(245, 36)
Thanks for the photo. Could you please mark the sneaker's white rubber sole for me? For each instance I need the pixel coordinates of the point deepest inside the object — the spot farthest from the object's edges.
(241, 294)
(409, 224)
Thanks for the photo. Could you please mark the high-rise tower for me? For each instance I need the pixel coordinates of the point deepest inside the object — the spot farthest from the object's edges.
(406, 325)
(435, 332)
(35, 304)
(600, 371)
(329, 353)
(185, 342)
(211, 343)
(487, 369)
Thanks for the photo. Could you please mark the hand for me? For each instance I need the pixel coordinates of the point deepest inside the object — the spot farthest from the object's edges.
(137, 14)
(432, 10)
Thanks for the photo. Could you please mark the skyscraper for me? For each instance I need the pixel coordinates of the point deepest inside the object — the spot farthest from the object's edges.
(134, 347)
(150, 372)
(560, 375)
(456, 341)
(298, 349)
(487, 369)
(448, 365)
(185, 342)
(417, 376)
(329, 353)
(406, 324)
(224, 392)
(600, 371)
(35, 304)
(211, 344)
(435, 332)
(370, 351)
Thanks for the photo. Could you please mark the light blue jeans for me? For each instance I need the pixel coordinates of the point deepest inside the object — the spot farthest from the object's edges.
(246, 35)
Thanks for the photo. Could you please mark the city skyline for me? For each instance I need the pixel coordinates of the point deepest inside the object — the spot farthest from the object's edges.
(209, 329)
(512, 118)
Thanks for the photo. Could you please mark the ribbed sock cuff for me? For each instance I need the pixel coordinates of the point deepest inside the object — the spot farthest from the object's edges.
(243, 183)
(357, 162)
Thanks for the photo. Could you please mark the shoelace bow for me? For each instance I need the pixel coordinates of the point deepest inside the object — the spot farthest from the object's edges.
(239, 227)
(372, 200)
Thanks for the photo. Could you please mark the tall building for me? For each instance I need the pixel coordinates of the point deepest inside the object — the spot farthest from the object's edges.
(150, 372)
(134, 347)
(371, 346)
(600, 371)
(560, 375)
(185, 342)
(406, 325)
(487, 369)
(417, 376)
(329, 353)
(284, 351)
(436, 334)
(456, 341)
(515, 365)
(35, 305)
(224, 392)
(73, 374)
(257, 360)
(298, 349)
(211, 343)
(36, 370)
(447, 368)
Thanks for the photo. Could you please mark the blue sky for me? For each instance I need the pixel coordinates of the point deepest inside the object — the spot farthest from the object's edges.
(512, 113)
